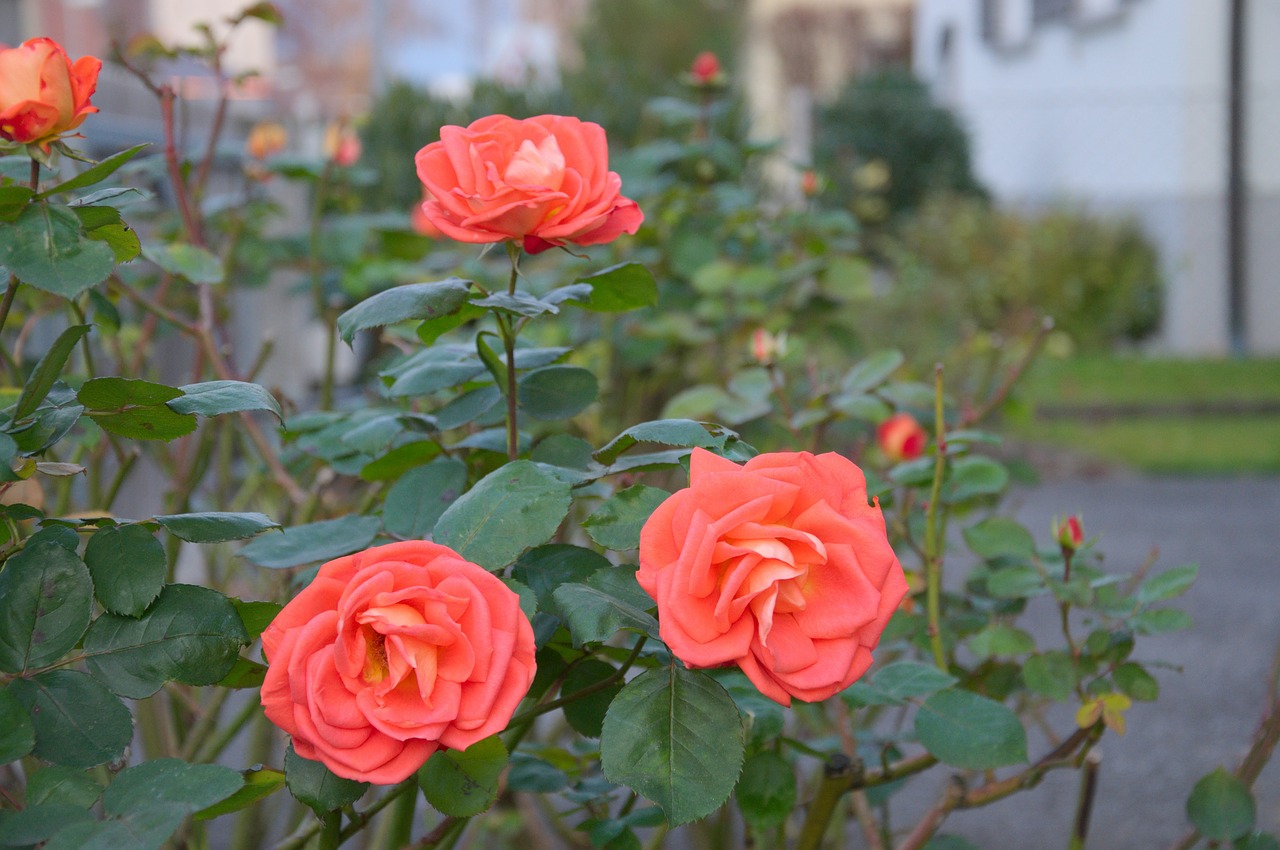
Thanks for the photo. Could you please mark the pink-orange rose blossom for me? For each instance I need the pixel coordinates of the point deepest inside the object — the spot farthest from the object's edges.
(392, 653)
(781, 567)
(542, 181)
(43, 94)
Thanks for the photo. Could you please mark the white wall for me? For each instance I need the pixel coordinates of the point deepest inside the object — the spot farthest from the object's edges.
(1125, 115)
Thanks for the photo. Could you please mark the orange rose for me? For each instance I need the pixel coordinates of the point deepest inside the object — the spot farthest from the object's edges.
(421, 224)
(266, 139)
(392, 653)
(901, 438)
(779, 566)
(544, 181)
(42, 93)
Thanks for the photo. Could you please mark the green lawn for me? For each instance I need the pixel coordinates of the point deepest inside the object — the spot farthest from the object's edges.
(1154, 431)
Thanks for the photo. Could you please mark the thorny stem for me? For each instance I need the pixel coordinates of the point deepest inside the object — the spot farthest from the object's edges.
(932, 533)
(509, 344)
(1011, 377)
(1084, 804)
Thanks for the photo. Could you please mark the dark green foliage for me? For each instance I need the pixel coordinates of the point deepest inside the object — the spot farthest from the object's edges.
(891, 117)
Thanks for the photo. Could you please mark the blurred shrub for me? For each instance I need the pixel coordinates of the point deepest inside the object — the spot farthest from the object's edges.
(889, 122)
(961, 266)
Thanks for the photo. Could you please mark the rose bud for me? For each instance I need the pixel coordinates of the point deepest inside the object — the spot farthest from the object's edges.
(706, 68)
(341, 145)
(1069, 533)
(43, 94)
(781, 567)
(542, 181)
(766, 348)
(809, 183)
(901, 438)
(266, 139)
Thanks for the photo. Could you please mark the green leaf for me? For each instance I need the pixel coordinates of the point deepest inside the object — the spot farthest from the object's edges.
(146, 423)
(139, 829)
(105, 225)
(557, 392)
(416, 501)
(529, 773)
(545, 568)
(314, 785)
(56, 784)
(46, 597)
(1168, 584)
(670, 432)
(420, 301)
(128, 566)
(492, 361)
(616, 524)
(872, 372)
(519, 304)
(1015, 582)
(511, 509)
(113, 394)
(258, 783)
(607, 601)
(315, 541)
(47, 248)
(766, 791)
(214, 398)
(904, 679)
(1051, 673)
(95, 173)
(464, 783)
(620, 288)
(675, 737)
(17, 735)
(78, 722)
(1256, 841)
(39, 822)
(970, 731)
(190, 635)
(973, 476)
(215, 526)
(171, 780)
(47, 370)
(1221, 807)
(1161, 621)
(1001, 639)
(586, 714)
(8, 451)
(185, 260)
(1133, 680)
(256, 616)
(468, 407)
(999, 537)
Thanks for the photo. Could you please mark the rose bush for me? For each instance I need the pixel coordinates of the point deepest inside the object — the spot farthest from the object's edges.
(392, 653)
(544, 181)
(43, 94)
(780, 567)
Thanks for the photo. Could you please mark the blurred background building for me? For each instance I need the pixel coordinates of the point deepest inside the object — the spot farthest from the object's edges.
(1165, 109)
(1133, 106)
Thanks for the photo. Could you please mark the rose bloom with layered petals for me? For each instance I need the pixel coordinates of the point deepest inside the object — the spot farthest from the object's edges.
(780, 567)
(542, 181)
(901, 437)
(43, 94)
(393, 653)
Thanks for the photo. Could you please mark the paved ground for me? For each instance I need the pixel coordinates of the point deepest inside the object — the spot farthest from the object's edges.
(1208, 711)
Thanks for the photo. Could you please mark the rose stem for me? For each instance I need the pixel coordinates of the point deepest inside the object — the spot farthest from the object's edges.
(509, 343)
(932, 535)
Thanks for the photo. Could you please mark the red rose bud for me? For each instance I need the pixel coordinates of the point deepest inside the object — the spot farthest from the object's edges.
(766, 347)
(809, 184)
(706, 68)
(901, 438)
(1069, 533)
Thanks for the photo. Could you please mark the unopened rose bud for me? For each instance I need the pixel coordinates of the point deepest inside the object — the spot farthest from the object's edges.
(901, 437)
(706, 68)
(266, 139)
(766, 348)
(1069, 533)
(809, 183)
(341, 145)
